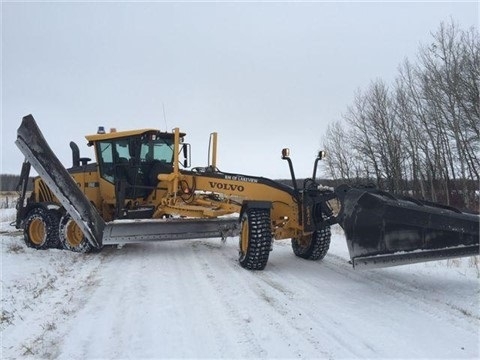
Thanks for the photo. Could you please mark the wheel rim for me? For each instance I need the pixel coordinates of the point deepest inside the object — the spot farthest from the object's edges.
(37, 231)
(73, 234)
(244, 237)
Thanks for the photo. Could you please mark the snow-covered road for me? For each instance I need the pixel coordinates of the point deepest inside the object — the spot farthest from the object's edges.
(191, 299)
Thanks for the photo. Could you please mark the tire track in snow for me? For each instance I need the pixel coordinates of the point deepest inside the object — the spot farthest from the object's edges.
(340, 307)
(177, 297)
(112, 322)
(273, 302)
(323, 330)
(361, 290)
(227, 295)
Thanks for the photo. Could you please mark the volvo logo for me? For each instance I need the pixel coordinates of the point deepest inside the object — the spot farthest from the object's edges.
(226, 186)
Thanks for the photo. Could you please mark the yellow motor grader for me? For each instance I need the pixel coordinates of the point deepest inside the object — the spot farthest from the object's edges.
(142, 188)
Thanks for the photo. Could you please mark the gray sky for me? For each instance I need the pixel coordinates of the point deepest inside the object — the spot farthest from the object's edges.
(263, 75)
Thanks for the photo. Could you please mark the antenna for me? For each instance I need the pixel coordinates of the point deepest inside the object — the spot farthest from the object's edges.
(164, 116)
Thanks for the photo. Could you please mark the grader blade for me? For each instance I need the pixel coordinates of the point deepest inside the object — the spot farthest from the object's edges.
(383, 230)
(134, 231)
(33, 145)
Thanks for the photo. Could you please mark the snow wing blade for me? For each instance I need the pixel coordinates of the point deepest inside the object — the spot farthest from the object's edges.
(36, 150)
(383, 230)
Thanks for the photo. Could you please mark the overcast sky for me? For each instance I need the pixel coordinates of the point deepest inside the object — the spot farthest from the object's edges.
(263, 75)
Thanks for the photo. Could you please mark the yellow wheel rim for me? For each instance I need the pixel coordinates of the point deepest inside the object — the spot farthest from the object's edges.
(74, 235)
(37, 231)
(244, 237)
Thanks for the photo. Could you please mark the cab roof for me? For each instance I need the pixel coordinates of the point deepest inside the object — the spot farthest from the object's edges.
(129, 133)
(118, 134)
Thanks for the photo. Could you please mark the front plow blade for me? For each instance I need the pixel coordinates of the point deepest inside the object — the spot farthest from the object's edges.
(383, 230)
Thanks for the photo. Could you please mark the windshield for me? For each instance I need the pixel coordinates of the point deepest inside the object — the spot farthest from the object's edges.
(130, 154)
(156, 148)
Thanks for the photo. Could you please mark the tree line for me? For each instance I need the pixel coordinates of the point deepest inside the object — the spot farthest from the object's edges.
(420, 135)
(10, 182)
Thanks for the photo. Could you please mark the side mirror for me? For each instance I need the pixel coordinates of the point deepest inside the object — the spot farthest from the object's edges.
(320, 156)
(286, 156)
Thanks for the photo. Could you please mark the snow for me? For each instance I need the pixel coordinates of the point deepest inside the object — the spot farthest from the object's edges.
(191, 299)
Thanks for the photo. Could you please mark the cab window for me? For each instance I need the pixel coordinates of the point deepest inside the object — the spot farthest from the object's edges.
(106, 161)
(155, 148)
(112, 154)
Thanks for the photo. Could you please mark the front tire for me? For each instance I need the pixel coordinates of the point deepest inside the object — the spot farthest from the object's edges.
(314, 246)
(72, 237)
(255, 239)
(41, 228)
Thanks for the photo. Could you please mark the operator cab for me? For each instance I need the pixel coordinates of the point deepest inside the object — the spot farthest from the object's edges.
(134, 157)
(132, 160)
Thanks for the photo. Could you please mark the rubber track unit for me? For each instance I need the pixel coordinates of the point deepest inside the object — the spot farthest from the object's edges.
(260, 239)
(318, 247)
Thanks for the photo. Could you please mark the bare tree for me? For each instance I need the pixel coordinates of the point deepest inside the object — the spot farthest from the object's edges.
(342, 161)
(450, 87)
(421, 135)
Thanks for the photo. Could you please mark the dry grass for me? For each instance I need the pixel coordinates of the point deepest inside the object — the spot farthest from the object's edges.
(8, 199)
(474, 261)
(15, 248)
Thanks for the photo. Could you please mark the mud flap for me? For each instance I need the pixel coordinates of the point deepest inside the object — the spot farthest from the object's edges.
(383, 230)
(33, 145)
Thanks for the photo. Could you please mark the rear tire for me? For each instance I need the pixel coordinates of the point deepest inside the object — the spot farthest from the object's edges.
(41, 228)
(255, 239)
(54, 239)
(314, 246)
(72, 237)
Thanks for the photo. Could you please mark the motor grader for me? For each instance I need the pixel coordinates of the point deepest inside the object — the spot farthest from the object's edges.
(143, 188)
